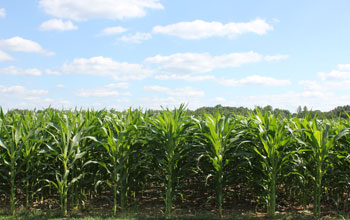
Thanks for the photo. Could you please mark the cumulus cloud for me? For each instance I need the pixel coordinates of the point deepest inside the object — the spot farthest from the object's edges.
(106, 91)
(121, 85)
(80, 10)
(51, 72)
(20, 90)
(13, 70)
(5, 57)
(136, 38)
(189, 77)
(2, 12)
(18, 44)
(254, 80)
(112, 30)
(191, 63)
(199, 29)
(314, 94)
(18, 96)
(311, 85)
(342, 73)
(335, 75)
(322, 100)
(156, 88)
(220, 99)
(104, 66)
(249, 80)
(188, 63)
(97, 93)
(334, 80)
(178, 92)
(58, 25)
(344, 66)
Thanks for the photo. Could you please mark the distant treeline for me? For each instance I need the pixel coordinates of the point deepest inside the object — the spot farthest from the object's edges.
(340, 111)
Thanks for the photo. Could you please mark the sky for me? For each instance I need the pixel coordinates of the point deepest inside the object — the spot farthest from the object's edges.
(161, 53)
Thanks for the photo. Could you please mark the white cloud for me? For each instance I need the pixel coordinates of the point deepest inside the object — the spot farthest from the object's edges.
(188, 63)
(199, 29)
(106, 91)
(178, 92)
(5, 57)
(276, 57)
(18, 96)
(220, 99)
(314, 94)
(20, 90)
(58, 25)
(311, 85)
(12, 70)
(136, 38)
(2, 12)
(112, 30)
(97, 93)
(321, 100)
(329, 82)
(341, 75)
(60, 86)
(338, 79)
(80, 10)
(335, 80)
(338, 85)
(37, 102)
(189, 77)
(335, 75)
(51, 72)
(104, 66)
(186, 92)
(344, 67)
(121, 85)
(156, 88)
(18, 44)
(254, 80)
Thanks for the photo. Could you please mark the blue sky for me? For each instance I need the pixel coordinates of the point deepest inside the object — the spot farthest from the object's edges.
(152, 53)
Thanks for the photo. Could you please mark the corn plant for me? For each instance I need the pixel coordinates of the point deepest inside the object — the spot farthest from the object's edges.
(65, 147)
(167, 135)
(272, 139)
(32, 138)
(12, 145)
(220, 142)
(343, 162)
(120, 131)
(320, 139)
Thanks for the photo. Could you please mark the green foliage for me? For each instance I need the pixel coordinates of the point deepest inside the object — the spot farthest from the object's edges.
(268, 157)
(219, 141)
(167, 138)
(121, 135)
(271, 142)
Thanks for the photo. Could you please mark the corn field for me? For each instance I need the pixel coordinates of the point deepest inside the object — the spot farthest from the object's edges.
(269, 161)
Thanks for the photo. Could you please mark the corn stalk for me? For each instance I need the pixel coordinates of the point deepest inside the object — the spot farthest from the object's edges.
(65, 147)
(272, 138)
(320, 139)
(167, 136)
(220, 142)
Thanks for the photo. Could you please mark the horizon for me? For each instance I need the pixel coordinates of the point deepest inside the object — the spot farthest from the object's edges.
(161, 108)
